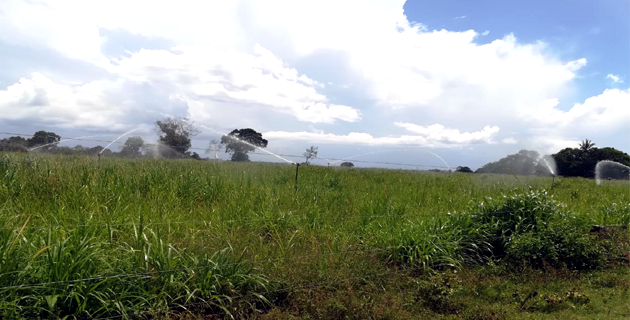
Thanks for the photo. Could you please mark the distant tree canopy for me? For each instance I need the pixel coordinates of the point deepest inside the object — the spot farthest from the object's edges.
(525, 162)
(13, 144)
(463, 169)
(347, 164)
(235, 143)
(175, 135)
(42, 138)
(581, 161)
(132, 147)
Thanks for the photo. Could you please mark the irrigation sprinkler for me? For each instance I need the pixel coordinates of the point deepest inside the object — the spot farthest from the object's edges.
(99, 156)
(297, 169)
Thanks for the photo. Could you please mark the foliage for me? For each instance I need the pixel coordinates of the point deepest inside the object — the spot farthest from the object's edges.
(310, 153)
(525, 162)
(241, 141)
(175, 136)
(43, 138)
(79, 150)
(13, 144)
(586, 145)
(463, 169)
(347, 164)
(132, 147)
(557, 244)
(534, 229)
(581, 162)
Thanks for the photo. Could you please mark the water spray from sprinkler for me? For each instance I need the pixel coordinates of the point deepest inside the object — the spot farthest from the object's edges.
(122, 135)
(64, 140)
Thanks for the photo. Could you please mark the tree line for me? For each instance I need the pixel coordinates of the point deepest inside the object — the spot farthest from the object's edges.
(569, 162)
(174, 142)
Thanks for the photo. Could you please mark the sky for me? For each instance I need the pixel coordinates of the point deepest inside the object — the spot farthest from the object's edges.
(387, 80)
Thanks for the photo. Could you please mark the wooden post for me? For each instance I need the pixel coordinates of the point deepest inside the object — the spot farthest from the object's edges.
(297, 169)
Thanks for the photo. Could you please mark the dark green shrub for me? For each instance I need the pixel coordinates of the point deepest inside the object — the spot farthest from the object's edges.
(558, 244)
(507, 218)
(533, 229)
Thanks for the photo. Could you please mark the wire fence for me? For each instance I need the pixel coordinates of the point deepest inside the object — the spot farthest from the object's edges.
(256, 153)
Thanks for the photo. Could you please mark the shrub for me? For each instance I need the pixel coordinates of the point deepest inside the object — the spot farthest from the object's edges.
(558, 244)
(533, 229)
(514, 215)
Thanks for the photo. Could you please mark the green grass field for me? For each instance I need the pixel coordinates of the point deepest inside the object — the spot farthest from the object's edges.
(186, 239)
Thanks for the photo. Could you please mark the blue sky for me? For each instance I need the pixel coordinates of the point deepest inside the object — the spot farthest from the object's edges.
(471, 81)
(596, 30)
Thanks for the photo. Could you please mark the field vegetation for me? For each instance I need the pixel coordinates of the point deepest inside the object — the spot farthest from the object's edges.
(186, 239)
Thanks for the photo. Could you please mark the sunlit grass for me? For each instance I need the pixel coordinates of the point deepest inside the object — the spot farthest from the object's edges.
(71, 218)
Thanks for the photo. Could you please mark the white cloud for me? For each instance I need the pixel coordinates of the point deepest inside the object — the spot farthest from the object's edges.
(602, 113)
(438, 132)
(614, 78)
(241, 61)
(485, 33)
(43, 100)
(460, 17)
(551, 144)
(260, 78)
(509, 140)
(431, 136)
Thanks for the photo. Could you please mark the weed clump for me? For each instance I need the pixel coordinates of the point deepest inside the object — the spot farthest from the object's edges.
(524, 229)
(535, 230)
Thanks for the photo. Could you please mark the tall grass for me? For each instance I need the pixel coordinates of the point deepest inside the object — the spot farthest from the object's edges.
(191, 228)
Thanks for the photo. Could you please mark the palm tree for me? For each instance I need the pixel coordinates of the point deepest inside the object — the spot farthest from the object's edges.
(586, 145)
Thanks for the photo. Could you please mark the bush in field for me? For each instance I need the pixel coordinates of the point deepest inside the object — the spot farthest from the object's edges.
(557, 244)
(534, 229)
(528, 228)
(514, 215)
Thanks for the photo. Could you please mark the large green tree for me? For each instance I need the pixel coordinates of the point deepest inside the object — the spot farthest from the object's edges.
(581, 161)
(132, 147)
(241, 141)
(175, 136)
(43, 138)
